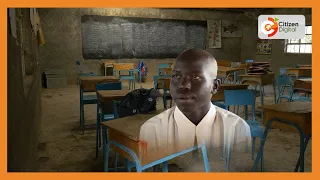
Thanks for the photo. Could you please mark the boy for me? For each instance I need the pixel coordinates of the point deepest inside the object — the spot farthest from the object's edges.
(195, 119)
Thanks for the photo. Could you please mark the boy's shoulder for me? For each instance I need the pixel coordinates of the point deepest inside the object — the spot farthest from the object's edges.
(228, 117)
(159, 119)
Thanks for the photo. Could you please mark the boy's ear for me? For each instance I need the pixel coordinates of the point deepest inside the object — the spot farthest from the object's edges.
(216, 85)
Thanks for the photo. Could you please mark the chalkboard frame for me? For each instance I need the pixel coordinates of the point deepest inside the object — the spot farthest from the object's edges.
(119, 20)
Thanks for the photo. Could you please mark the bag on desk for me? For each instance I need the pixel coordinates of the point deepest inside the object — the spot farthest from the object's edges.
(138, 101)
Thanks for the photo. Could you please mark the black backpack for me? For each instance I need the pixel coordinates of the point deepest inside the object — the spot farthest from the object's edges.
(138, 101)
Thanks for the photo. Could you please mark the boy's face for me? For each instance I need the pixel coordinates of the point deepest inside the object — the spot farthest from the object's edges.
(192, 83)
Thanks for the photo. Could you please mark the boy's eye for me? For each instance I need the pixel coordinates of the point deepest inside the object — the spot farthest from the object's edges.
(176, 76)
(196, 77)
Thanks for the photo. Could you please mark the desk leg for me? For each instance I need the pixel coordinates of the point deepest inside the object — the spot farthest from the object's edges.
(165, 166)
(274, 93)
(261, 95)
(205, 159)
(264, 138)
(82, 112)
(105, 149)
(305, 147)
(261, 99)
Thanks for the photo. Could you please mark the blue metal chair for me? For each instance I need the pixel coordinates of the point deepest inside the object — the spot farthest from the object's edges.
(161, 66)
(284, 82)
(283, 71)
(101, 116)
(130, 77)
(245, 98)
(295, 97)
(166, 94)
(296, 66)
(85, 99)
(219, 104)
(235, 64)
(235, 77)
(249, 61)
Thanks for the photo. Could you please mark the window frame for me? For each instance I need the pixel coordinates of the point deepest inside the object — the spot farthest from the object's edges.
(299, 43)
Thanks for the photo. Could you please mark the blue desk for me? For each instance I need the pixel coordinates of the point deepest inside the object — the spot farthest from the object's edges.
(123, 138)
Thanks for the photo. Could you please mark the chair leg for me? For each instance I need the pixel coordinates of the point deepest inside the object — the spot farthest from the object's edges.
(164, 101)
(97, 138)
(253, 146)
(228, 159)
(82, 119)
(165, 167)
(101, 118)
(262, 161)
(105, 149)
(261, 95)
(205, 159)
(262, 142)
(246, 112)
(305, 147)
(115, 161)
(97, 144)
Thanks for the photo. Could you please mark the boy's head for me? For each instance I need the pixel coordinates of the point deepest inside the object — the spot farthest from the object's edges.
(194, 79)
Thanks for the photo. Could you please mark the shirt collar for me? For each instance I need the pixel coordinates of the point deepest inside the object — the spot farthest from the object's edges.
(208, 119)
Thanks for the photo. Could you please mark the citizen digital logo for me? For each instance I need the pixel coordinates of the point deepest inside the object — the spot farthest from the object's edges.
(281, 26)
(288, 27)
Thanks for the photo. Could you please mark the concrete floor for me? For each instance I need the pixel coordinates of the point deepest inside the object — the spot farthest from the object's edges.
(64, 148)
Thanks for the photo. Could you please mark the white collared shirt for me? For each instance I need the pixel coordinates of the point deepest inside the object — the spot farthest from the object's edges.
(217, 129)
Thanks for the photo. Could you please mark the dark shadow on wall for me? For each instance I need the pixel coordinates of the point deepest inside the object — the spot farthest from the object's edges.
(23, 101)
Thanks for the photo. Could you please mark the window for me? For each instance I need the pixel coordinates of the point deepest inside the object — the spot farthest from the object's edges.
(302, 46)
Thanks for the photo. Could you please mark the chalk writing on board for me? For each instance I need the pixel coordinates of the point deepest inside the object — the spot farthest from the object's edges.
(123, 37)
(157, 40)
(92, 31)
(127, 38)
(176, 37)
(115, 33)
(141, 40)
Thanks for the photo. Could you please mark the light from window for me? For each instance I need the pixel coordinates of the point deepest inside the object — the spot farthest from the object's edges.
(303, 46)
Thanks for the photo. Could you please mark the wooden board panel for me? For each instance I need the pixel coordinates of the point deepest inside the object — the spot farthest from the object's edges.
(108, 63)
(117, 136)
(164, 83)
(303, 84)
(88, 83)
(219, 96)
(265, 79)
(123, 66)
(225, 71)
(297, 112)
(300, 72)
(226, 63)
(130, 126)
(106, 98)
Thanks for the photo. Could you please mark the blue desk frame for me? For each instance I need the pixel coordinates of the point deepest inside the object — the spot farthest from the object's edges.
(139, 167)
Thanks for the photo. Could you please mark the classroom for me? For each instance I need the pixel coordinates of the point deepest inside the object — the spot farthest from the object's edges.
(69, 68)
